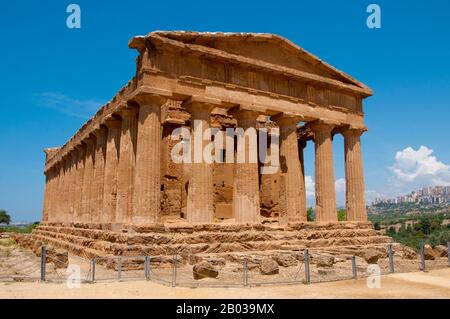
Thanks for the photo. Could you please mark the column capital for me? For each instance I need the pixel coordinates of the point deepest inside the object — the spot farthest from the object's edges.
(283, 119)
(322, 126)
(89, 140)
(127, 110)
(99, 132)
(353, 131)
(240, 112)
(149, 98)
(112, 123)
(194, 107)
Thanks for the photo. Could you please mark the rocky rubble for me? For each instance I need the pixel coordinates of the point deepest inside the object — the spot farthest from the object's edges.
(58, 257)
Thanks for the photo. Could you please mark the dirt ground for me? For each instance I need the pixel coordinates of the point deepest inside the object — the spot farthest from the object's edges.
(15, 261)
(433, 284)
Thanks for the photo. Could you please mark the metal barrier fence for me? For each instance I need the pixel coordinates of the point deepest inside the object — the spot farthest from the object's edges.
(307, 267)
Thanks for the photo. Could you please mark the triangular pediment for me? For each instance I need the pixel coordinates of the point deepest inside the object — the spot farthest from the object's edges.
(264, 47)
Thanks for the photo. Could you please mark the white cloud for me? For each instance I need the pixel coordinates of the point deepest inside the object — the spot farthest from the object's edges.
(310, 186)
(67, 105)
(339, 185)
(417, 168)
(371, 195)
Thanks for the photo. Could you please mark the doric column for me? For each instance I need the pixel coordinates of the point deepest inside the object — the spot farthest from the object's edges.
(71, 185)
(125, 170)
(81, 152)
(88, 177)
(50, 198)
(324, 173)
(99, 173)
(355, 193)
(246, 206)
(199, 208)
(45, 209)
(58, 192)
(111, 164)
(147, 178)
(66, 184)
(294, 194)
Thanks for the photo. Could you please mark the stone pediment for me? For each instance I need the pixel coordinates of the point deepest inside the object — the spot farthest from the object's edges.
(258, 48)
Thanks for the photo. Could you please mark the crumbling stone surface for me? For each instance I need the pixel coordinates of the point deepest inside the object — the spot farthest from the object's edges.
(428, 252)
(371, 256)
(324, 261)
(269, 266)
(204, 270)
(440, 251)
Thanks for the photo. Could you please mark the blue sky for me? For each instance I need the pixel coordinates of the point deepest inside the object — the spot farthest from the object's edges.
(53, 78)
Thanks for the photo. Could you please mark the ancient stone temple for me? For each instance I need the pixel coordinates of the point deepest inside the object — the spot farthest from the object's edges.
(114, 185)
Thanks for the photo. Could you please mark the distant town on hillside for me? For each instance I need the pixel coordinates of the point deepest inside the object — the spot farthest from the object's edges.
(426, 196)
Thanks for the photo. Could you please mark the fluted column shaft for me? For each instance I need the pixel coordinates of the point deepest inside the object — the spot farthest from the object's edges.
(199, 208)
(246, 205)
(125, 171)
(294, 194)
(79, 182)
(111, 165)
(355, 192)
(65, 217)
(52, 191)
(324, 174)
(72, 184)
(99, 174)
(87, 179)
(46, 203)
(58, 191)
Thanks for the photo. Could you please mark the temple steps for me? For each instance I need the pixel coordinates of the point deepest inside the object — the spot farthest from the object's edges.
(221, 242)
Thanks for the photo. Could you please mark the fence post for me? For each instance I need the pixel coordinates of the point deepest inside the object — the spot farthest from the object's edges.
(391, 259)
(355, 273)
(119, 268)
(174, 271)
(448, 253)
(307, 274)
(147, 267)
(422, 258)
(245, 273)
(93, 270)
(43, 262)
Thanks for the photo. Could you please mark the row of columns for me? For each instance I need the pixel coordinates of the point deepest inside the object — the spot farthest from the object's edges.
(114, 174)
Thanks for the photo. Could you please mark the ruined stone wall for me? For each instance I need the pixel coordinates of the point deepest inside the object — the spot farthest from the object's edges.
(175, 177)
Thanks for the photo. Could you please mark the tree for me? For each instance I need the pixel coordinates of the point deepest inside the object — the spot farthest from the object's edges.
(377, 226)
(4, 217)
(310, 214)
(342, 214)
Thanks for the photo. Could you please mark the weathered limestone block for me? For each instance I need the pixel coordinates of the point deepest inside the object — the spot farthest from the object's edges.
(441, 251)
(269, 266)
(371, 255)
(204, 269)
(324, 261)
(429, 253)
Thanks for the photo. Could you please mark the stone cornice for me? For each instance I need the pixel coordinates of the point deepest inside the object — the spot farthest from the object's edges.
(87, 128)
(252, 63)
